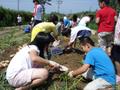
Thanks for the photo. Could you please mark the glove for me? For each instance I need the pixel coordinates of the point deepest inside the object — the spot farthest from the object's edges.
(70, 74)
(54, 64)
(63, 68)
(56, 43)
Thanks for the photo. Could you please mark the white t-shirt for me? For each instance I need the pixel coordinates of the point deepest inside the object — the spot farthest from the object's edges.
(75, 30)
(19, 18)
(117, 32)
(84, 20)
(21, 61)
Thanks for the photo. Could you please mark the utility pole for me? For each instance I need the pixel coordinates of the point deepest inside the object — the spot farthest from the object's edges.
(18, 5)
(59, 2)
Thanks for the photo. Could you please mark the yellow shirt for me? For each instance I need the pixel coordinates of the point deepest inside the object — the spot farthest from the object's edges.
(47, 27)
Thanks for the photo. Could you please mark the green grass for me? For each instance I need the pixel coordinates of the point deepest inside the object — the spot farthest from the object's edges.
(10, 39)
(13, 38)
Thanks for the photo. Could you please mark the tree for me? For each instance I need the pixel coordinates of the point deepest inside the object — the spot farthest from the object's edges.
(115, 5)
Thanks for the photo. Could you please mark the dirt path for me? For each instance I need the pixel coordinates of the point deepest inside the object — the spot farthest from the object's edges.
(4, 30)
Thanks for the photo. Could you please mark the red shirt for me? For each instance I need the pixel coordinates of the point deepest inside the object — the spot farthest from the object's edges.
(107, 19)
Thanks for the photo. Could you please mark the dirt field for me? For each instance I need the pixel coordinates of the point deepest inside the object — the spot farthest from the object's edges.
(70, 59)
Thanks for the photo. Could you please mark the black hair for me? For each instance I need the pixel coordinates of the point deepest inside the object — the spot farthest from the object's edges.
(36, 1)
(85, 40)
(61, 19)
(66, 32)
(42, 39)
(106, 1)
(118, 2)
(53, 18)
(91, 17)
(74, 17)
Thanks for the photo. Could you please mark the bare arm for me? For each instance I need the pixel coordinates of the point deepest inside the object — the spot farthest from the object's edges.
(115, 18)
(37, 59)
(81, 70)
(97, 20)
(69, 45)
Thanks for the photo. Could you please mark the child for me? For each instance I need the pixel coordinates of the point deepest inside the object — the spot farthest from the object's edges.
(105, 18)
(27, 29)
(99, 62)
(26, 67)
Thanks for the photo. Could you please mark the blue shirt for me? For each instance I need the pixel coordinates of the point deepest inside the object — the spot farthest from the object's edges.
(66, 22)
(101, 64)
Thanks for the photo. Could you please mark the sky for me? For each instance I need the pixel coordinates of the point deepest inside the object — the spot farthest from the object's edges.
(67, 6)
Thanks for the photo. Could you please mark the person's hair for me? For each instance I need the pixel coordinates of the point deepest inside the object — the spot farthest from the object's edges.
(85, 40)
(105, 1)
(118, 2)
(36, 1)
(74, 17)
(91, 17)
(53, 18)
(42, 39)
(61, 19)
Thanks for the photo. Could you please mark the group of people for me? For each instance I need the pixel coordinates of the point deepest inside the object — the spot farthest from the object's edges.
(101, 64)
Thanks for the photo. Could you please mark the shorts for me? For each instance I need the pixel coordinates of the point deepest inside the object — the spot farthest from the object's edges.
(19, 23)
(105, 39)
(115, 53)
(21, 79)
(84, 33)
(97, 84)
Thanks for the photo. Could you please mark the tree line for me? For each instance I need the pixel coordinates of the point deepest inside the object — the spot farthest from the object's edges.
(8, 17)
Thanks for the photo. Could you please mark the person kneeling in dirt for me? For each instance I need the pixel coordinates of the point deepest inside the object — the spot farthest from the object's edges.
(26, 69)
(98, 64)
